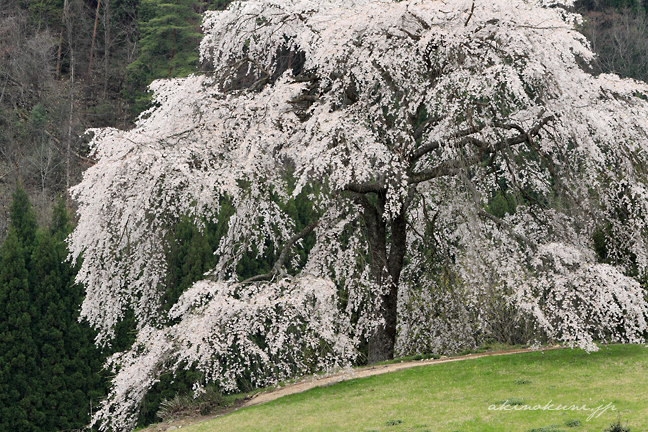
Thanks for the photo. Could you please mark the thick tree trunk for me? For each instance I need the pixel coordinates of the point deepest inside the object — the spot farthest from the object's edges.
(385, 271)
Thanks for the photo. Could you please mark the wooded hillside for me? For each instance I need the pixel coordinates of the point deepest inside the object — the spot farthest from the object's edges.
(68, 65)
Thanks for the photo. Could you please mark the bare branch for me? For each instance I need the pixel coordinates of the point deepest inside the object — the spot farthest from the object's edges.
(418, 19)
(87, 160)
(423, 150)
(276, 268)
(305, 77)
(258, 84)
(231, 70)
(468, 131)
(472, 9)
(509, 126)
(451, 167)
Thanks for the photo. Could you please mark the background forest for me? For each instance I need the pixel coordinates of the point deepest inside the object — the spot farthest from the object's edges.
(70, 65)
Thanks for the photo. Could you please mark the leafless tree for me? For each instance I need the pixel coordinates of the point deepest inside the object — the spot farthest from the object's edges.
(621, 41)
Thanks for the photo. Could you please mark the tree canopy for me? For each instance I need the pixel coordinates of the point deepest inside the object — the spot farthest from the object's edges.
(456, 155)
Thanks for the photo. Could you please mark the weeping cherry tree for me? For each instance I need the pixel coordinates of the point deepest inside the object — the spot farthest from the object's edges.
(402, 121)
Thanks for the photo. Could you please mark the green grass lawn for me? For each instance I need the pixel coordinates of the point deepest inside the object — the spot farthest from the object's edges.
(457, 396)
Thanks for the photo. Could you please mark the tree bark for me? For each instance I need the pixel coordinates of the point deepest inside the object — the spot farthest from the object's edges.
(386, 268)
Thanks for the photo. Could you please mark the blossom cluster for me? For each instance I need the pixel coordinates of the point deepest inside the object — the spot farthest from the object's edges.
(265, 333)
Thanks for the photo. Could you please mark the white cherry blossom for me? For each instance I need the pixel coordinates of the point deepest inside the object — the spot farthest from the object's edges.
(405, 119)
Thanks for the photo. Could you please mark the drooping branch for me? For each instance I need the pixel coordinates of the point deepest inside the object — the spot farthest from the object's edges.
(525, 194)
(276, 268)
(258, 84)
(500, 223)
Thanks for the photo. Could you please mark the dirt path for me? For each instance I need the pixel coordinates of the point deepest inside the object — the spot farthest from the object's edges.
(312, 382)
(315, 381)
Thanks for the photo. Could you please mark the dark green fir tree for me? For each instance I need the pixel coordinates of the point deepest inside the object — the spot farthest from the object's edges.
(23, 219)
(49, 367)
(20, 397)
(69, 363)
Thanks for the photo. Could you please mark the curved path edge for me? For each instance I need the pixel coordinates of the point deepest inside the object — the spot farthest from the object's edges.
(327, 380)
(349, 374)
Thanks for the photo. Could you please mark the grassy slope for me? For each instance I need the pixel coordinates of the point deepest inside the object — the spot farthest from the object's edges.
(456, 396)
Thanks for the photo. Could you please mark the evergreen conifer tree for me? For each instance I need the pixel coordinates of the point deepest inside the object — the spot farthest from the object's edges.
(20, 401)
(49, 366)
(69, 363)
(23, 219)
